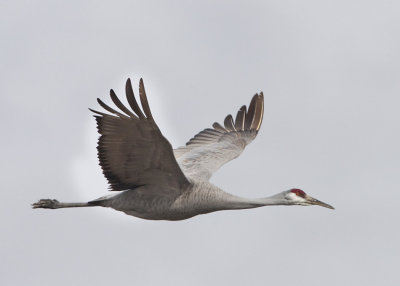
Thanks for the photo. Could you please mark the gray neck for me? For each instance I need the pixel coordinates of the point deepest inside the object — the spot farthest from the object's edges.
(205, 198)
(235, 203)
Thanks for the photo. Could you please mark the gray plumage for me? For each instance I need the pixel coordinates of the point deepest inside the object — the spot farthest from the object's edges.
(153, 181)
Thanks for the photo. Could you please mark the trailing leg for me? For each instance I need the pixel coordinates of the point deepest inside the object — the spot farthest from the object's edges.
(54, 204)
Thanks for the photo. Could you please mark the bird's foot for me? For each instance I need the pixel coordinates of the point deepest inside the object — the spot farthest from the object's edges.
(46, 204)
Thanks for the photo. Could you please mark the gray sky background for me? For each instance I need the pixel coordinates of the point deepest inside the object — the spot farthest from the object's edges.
(330, 73)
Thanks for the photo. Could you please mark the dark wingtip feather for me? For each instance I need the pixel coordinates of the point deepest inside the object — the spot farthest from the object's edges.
(109, 109)
(228, 122)
(130, 96)
(245, 120)
(143, 99)
(250, 113)
(95, 111)
(120, 105)
(219, 127)
(240, 118)
(258, 113)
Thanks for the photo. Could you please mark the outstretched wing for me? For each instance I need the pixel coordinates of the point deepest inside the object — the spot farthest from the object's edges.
(206, 152)
(131, 149)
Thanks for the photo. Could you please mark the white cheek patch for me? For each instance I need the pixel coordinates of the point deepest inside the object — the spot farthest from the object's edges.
(295, 198)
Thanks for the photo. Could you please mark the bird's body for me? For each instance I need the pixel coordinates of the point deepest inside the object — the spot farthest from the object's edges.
(147, 203)
(153, 181)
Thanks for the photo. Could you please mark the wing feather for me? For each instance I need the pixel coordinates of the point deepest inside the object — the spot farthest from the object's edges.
(210, 149)
(250, 114)
(258, 113)
(120, 105)
(131, 149)
(239, 121)
(218, 127)
(143, 100)
(109, 109)
(229, 124)
(130, 96)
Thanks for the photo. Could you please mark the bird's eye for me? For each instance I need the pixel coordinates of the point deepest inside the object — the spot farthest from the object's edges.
(298, 192)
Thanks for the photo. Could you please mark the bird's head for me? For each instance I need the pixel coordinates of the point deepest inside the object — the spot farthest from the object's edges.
(299, 197)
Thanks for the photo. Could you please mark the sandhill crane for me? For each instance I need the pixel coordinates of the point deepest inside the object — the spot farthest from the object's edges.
(153, 181)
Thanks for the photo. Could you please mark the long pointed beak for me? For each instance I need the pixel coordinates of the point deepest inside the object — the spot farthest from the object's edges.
(313, 201)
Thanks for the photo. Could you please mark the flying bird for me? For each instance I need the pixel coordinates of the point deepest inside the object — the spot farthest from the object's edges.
(151, 180)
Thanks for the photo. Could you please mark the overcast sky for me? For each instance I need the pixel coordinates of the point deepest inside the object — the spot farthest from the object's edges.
(330, 73)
